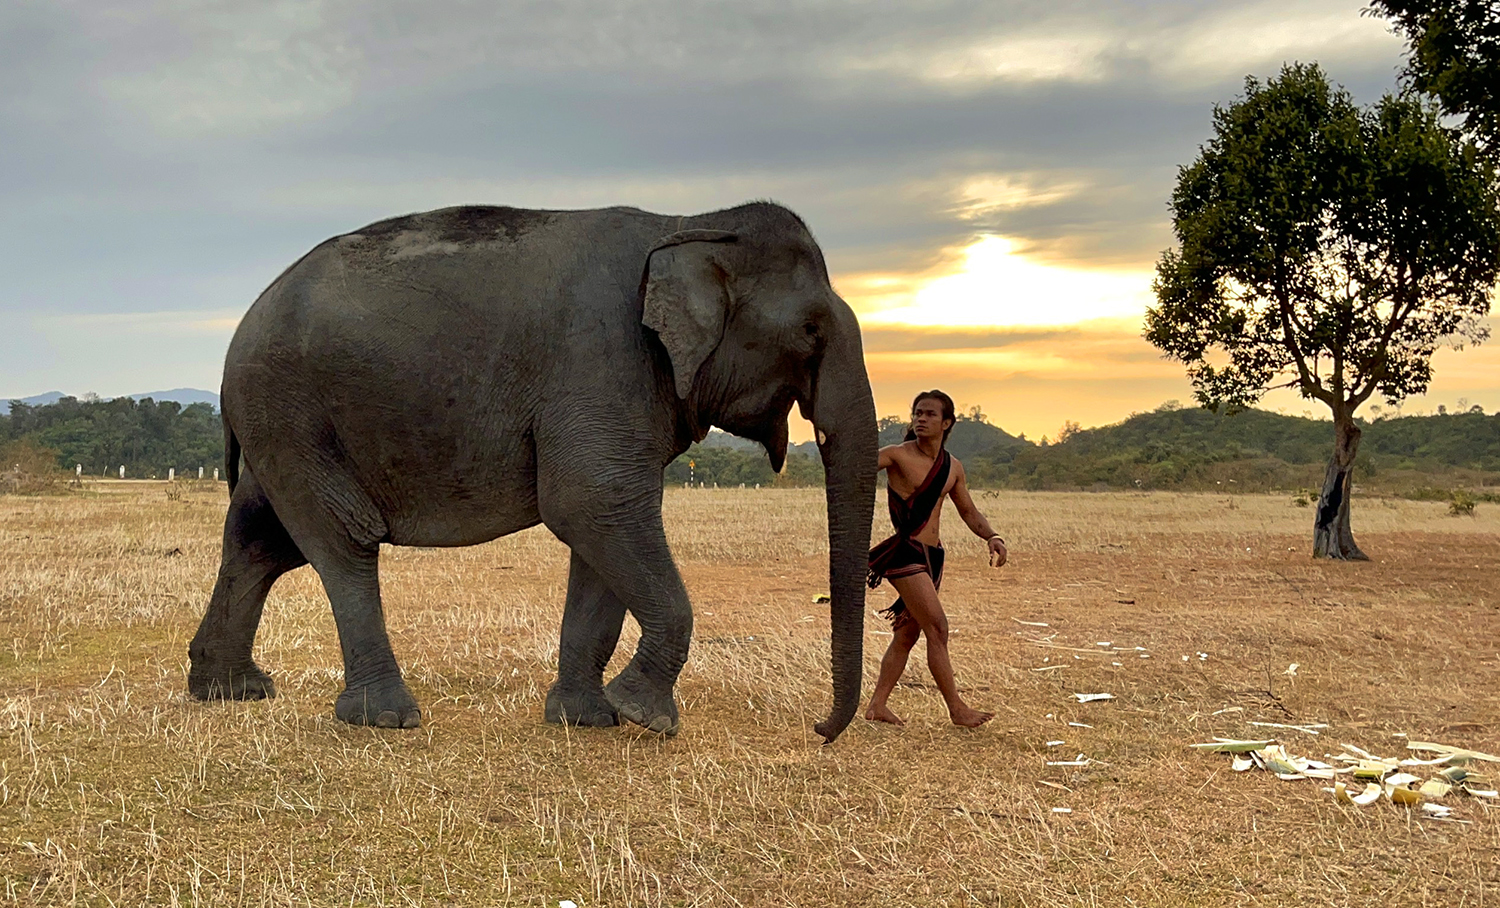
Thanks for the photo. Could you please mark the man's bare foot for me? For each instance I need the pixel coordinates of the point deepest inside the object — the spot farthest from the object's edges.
(883, 713)
(969, 717)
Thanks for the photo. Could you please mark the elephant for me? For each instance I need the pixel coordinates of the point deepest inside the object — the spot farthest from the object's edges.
(449, 377)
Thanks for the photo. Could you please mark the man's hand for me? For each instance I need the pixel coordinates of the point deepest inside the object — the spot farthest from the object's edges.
(997, 551)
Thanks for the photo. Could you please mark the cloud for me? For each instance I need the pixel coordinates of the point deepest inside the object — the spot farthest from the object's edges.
(169, 156)
(232, 68)
(1260, 37)
(889, 339)
(1182, 46)
(176, 323)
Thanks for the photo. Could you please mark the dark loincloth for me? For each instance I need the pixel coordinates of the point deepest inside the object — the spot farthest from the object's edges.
(896, 611)
(901, 555)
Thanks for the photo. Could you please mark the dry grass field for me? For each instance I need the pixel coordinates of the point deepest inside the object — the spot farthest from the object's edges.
(115, 789)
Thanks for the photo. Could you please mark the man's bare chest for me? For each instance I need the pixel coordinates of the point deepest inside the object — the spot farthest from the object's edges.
(913, 475)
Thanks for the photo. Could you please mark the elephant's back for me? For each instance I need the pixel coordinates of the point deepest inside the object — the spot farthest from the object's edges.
(416, 353)
(449, 274)
(489, 249)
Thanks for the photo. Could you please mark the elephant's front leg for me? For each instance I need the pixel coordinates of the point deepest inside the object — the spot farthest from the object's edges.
(590, 631)
(639, 569)
(617, 532)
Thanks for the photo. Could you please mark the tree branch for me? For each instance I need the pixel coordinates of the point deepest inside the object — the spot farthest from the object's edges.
(1404, 302)
(1309, 380)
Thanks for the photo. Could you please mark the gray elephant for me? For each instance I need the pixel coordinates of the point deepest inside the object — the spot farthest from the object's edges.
(446, 378)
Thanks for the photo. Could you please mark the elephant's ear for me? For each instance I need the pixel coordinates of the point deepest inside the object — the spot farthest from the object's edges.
(687, 298)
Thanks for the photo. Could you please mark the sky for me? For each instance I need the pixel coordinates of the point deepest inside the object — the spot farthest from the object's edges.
(988, 179)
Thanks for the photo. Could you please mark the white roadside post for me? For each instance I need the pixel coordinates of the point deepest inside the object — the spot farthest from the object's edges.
(171, 474)
(122, 471)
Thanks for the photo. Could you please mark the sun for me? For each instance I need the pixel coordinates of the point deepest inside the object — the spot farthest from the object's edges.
(995, 285)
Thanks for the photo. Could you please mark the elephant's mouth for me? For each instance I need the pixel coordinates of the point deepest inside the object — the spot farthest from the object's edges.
(768, 428)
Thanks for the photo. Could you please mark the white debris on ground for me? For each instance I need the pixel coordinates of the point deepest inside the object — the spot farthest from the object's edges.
(1371, 778)
(1106, 648)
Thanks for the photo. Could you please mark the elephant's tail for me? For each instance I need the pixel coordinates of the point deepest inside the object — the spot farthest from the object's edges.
(231, 456)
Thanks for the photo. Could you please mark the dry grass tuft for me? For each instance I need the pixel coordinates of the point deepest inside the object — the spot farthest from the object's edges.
(115, 789)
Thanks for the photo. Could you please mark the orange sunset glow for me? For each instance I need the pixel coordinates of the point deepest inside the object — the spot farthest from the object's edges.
(1035, 342)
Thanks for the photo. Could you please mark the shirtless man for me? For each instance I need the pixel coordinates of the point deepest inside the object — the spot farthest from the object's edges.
(920, 473)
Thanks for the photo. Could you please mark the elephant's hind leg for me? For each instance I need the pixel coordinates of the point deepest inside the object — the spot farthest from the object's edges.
(338, 528)
(257, 550)
(374, 692)
(590, 631)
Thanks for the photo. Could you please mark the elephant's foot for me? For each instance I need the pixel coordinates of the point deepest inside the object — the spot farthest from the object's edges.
(580, 707)
(384, 705)
(209, 679)
(646, 704)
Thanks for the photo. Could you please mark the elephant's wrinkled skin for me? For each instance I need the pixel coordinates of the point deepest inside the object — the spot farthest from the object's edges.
(449, 377)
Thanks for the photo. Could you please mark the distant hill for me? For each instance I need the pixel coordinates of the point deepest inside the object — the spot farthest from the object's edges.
(1470, 439)
(971, 438)
(182, 396)
(37, 400)
(1192, 448)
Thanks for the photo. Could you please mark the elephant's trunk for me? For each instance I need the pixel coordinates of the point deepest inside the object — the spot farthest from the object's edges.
(844, 415)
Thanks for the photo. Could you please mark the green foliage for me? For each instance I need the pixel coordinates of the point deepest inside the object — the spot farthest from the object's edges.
(730, 466)
(1461, 504)
(1455, 56)
(1323, 247)
(146, 437)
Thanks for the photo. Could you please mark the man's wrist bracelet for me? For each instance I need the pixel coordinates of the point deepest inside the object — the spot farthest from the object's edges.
(993, 538)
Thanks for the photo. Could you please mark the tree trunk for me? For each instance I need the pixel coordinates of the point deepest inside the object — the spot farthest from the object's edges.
(1332, 537)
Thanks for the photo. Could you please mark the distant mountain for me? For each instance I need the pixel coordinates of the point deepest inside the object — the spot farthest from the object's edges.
(39, 400)
(182, 396)
(718, 438)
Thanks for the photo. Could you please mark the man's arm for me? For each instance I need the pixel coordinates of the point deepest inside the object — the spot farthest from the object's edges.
(975, 520)
(887, 457)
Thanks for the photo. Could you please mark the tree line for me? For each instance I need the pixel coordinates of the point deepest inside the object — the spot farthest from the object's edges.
(1171, 447)
(147, 437)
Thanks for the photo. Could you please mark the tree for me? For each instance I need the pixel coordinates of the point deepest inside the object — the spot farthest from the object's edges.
(1324, 248)
(1455, 57)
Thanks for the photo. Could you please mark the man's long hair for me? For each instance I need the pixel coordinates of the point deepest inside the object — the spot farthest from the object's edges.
(946, 401)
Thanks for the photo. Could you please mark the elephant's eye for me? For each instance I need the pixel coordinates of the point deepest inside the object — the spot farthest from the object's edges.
(811, 329)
